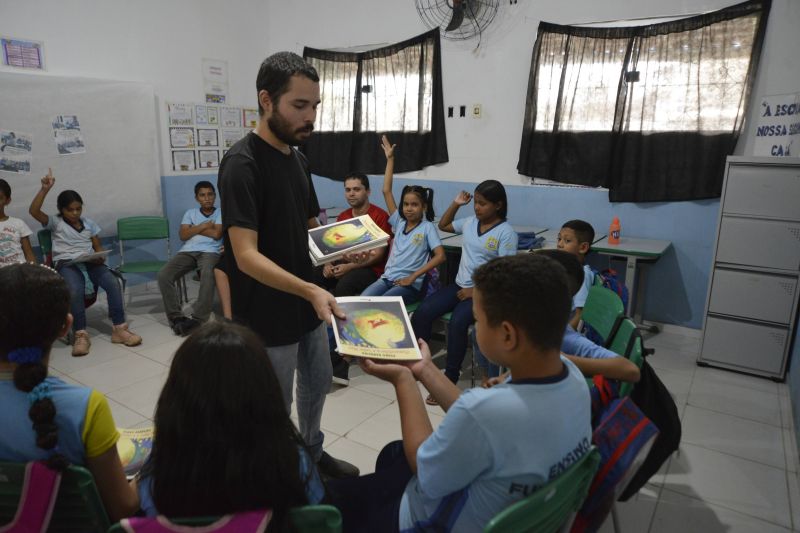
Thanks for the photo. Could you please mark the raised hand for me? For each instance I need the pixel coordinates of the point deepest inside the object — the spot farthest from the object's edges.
(388, 148)
(462, 198)
(49, 180)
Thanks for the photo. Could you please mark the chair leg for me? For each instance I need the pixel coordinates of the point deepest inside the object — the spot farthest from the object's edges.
(615, 518)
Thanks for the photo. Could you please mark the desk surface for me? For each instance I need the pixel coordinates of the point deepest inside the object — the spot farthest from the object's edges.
(633, 246)
(455, 241)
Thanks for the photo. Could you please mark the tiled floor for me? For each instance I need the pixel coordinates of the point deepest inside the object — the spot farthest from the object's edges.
(736, 470)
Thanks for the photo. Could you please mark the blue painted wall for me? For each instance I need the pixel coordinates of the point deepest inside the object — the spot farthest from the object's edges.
(675, 288)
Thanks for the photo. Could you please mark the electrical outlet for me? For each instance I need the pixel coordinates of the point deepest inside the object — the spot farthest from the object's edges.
(476, 111)
(462, 111)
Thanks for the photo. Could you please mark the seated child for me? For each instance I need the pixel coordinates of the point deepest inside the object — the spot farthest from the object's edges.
(202, 230)
(576, 237)
(44, 418)
(224, 440)
(415, 238)
(495, 446)
(15, 243)
(487, 235)
(73, 236)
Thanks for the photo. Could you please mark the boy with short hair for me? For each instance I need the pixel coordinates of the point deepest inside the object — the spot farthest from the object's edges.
(576, 237)
(495, 446)
(201, 228)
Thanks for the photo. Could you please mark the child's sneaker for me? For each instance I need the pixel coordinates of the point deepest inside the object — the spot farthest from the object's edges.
(81, 344)
(122, 335)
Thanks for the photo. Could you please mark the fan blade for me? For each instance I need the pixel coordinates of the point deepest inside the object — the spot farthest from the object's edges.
(458, 17)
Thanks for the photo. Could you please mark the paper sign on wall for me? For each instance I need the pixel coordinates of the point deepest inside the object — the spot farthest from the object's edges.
(778, 126)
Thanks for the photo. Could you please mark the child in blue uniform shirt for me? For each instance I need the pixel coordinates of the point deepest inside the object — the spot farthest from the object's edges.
(481, 458)
(415, 238)
(576, 237)
(487, 235)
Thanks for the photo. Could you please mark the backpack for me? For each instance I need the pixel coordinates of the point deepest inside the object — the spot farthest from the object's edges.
(623, 436)
(608, 279)
(245, 522)
(656, 402)
(37, 499)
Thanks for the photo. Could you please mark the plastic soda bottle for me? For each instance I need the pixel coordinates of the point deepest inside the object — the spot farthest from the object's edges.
(614, 231)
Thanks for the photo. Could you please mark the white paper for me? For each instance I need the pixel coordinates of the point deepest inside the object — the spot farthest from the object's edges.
(67, 134)
(16, 151)
(180, 114)
(208, 158)
(207, 137)
(231, 117)
(778, 126)
(250, 117)
(183, 160)
(229, 137)
(89, 256)
(181, 138)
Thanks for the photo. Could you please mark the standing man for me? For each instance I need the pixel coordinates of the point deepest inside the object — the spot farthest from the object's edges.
(268, 203)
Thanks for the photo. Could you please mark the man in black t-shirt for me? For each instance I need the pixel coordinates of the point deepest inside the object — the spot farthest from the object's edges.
(268, 203)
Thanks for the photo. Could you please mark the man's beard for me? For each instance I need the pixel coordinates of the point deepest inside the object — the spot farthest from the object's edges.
(281, 128)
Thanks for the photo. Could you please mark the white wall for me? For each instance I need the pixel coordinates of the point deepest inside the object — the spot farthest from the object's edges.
(496, 74)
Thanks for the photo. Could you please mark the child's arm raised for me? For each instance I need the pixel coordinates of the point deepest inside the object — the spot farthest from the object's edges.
(388, 174)
(446, 222)
(35, 209)
(27, 250)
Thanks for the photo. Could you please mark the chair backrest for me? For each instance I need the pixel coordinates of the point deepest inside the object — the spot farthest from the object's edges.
(635, 353)
(142, 228)
(603, 312)
(306, 519)
(622, 338)
(46, 245)
(547, 509)
(78, 506)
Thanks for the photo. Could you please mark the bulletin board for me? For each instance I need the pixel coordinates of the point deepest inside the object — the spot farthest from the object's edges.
(98, 136)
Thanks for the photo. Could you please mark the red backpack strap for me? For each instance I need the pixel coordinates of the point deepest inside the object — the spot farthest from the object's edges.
(38, 497)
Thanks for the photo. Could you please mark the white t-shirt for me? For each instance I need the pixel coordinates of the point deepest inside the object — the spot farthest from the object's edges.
(12, 231)
(496, 446)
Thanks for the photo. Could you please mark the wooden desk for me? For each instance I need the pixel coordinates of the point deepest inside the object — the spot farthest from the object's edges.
(635, 251)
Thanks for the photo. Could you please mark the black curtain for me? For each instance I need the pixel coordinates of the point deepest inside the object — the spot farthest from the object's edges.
(650, 112)
(395, 90)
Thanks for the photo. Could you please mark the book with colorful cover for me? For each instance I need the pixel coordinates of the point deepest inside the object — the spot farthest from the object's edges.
(134, 447)
(375, 327)
(330, 242)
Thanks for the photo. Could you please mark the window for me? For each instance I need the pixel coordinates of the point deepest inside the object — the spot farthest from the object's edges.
(394, 90)
(650, 112)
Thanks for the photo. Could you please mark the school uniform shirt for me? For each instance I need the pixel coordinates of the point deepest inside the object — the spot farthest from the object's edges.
(573, 343)
(479, 248)
(588, 280)
(12, 231)
(381, 218)
(85, 426)
(481, 459)
(68, 242)
(201, 243)
(410, 250)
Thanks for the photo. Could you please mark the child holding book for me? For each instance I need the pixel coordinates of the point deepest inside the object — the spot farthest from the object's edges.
(487, 235)
(15, 243)
(415, 238)
(73, 236)
(44, 418)
(481, 459)
(224, 440)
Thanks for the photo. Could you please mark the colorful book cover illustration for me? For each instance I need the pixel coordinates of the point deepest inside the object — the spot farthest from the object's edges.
(327, 243)
(134, 446)
(376, 327)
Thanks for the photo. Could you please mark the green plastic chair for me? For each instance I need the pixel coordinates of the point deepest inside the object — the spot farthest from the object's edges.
(146, 228)
(619, 343)
(306, 519)
(603, 311)
(45, 246)
(78, 506)
(549, 508)
(636, 356)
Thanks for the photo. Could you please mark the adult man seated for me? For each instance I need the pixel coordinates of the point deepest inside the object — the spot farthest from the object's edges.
(202, 230)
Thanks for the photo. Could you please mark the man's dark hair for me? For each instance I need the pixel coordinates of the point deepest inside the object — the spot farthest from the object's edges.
(204, 185)
(530, 291)
(583, 230)
(575, 272)
(360, 177)
(276, 71)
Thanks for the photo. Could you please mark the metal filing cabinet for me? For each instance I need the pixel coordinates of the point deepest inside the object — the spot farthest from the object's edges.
(751, 308)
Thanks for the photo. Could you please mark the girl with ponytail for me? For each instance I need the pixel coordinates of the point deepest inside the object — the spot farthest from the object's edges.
(416, 248)
(44, 418)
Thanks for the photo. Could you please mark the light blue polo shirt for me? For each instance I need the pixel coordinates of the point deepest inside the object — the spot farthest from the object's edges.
(411, 250)
(201, 243)
(588, 280)
(69, 243)
(481, 459)
(500, 240)
(574, 343)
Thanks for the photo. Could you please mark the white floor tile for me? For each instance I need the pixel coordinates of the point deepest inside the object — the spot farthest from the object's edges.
(160, 353)
(141, 396)
(354, 453)
(119, 373)
(738, 401)
(673, 341)
(384, 427)
(735, 379)
(677, 512)
(794, 497)
(733, 435)
(348, 408)
(731, 482)
(124, 417)
(790, 448)
(373, 385)
(635, 514)
(101, 352)
(674, 360)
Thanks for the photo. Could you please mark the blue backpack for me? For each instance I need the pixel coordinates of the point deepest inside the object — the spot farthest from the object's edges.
(608, 278)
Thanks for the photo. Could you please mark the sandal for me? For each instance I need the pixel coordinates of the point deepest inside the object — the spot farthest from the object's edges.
(430, 400)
